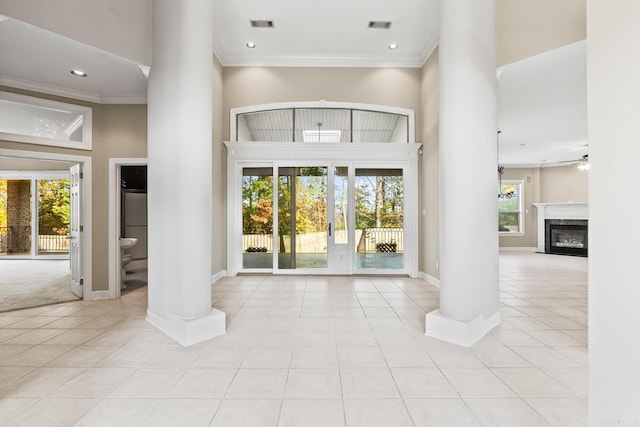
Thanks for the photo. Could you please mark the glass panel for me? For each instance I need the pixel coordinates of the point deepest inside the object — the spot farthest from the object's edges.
(53, 216)
(379, 218)
(341, 212)
(286, 213)
(509, 207)
(15, 217)
(372, 126)
(40, 121)
(322, 125)
(257, 218)
(266, 126)
(302, 217)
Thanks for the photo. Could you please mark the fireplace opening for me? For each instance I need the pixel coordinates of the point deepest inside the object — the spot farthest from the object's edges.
(566, 237)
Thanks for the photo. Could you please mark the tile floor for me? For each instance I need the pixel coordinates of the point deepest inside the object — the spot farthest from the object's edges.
(307, 351)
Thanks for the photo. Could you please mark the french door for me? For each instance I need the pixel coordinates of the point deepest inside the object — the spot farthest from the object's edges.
(322, 218)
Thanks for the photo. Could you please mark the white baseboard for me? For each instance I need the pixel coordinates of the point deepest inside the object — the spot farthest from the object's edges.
(456, 332)
(98, 295)
(219, 275)
(190, 331)
(519, 249)
(430, 279)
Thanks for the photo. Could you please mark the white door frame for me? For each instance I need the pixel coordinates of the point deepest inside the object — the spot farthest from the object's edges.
(86, 214)
(240, 154)
(115, 261)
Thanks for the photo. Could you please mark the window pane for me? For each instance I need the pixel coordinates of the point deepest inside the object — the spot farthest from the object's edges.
(322, 125)
(53, 216)
(15, 217)
(509, 222)
(302, 217)
(266, 126)
(40, 121)
(509, 207)
(379, 218)
(372, 126)
(257, 218)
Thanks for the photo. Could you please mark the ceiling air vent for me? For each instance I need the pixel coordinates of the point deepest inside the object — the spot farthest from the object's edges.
(382, 25)
(261, 23)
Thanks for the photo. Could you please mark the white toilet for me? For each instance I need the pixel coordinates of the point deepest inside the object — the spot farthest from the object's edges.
(125, 258)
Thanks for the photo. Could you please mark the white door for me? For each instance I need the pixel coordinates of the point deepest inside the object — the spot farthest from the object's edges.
(75, 233)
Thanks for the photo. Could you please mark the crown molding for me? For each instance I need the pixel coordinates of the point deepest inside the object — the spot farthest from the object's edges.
(320, 61)
(70, 93)
(430, 47)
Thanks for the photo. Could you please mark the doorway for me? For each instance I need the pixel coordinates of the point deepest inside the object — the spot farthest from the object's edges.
(127, 219)
(323, 218)
(45, 254)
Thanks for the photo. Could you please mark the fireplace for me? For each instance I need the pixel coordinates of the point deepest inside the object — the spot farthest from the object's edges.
(566, 237)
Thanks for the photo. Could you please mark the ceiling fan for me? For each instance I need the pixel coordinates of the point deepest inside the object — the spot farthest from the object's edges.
(583, 162)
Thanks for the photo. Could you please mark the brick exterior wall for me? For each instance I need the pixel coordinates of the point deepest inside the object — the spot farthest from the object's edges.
(19, 216)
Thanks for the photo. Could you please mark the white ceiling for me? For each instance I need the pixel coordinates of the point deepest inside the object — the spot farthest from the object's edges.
(542, 108)
(34, 58)
(542, 100)
(326, 33)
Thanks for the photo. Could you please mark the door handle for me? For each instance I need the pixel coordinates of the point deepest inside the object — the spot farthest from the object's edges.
(329, 229)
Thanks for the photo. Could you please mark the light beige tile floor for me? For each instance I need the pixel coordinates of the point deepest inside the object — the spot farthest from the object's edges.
(307, 351)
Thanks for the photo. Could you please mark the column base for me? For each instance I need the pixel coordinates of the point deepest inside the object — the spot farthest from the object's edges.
(464, 334)
(190, 331)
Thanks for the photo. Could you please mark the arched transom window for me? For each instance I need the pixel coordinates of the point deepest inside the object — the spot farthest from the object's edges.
(324, 122)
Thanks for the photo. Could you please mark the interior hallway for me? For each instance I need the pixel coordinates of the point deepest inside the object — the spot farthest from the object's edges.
(307, 351)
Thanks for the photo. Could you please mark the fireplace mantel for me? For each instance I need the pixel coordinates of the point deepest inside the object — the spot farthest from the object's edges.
(578, 210)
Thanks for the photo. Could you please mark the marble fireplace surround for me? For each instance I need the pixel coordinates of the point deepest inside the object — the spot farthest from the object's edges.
(577, 210)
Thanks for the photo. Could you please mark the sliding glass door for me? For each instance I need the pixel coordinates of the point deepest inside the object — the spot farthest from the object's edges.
(302, 217)
(257, 217)
(336, 218)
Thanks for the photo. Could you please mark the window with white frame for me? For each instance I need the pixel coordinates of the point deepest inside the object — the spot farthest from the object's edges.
(41, 121)
(322, 122)
(510, 207)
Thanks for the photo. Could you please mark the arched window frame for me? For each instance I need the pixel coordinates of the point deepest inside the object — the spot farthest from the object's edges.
(235, 112)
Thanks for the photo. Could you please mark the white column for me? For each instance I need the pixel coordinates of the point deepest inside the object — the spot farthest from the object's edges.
(180, 118)
(469, 298)
(613, 101)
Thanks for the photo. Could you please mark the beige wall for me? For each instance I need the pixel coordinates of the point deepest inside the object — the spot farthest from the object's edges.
(531, 180)
(429, 245)
(396, 87)
(219, 174)
(525, 28)
(13, 164)
(118, 131)
(564, 184)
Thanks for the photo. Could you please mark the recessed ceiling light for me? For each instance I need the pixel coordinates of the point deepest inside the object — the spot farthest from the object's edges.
(393, 46)
(78, 73)
(251, 45)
